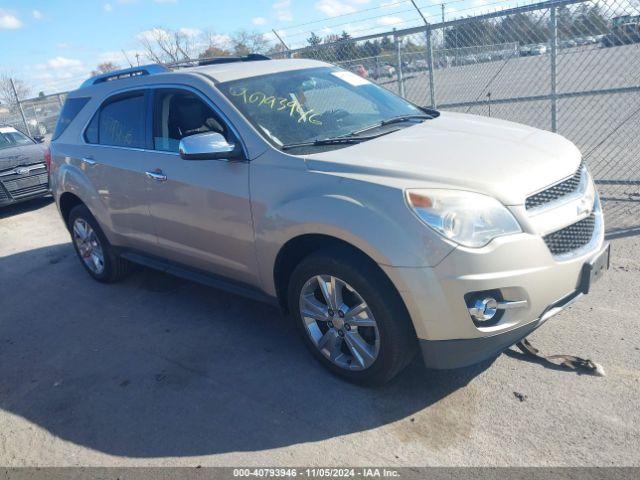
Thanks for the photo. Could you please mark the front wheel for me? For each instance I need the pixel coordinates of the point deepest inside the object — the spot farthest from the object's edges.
(351, 317)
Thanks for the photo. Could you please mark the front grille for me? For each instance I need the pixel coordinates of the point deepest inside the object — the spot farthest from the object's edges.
(3, 194)
(33, 190)
(556, 191)
(572, 237)
(21, 186)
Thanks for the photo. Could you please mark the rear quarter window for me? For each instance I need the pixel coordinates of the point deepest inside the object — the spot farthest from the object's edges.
(70, 110)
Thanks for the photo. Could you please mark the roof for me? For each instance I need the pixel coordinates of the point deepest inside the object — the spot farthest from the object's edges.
(226, 72)
(220, 72)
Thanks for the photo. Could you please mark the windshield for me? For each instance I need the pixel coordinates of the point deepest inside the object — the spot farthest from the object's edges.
(313, 104)
(13, 138)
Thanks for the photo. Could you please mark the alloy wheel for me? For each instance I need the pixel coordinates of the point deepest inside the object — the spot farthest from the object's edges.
(339, 322)
(88, 245)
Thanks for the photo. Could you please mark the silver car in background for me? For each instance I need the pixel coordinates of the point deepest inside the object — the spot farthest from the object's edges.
(23, 169)
(381, 227)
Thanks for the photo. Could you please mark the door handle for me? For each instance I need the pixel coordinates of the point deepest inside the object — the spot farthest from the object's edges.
(157, 175)
(89, 160)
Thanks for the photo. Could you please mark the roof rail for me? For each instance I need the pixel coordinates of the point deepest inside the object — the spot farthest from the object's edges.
(125, 73)
(251, 57)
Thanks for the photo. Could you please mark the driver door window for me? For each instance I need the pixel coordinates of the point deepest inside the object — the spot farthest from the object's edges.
(179, 114)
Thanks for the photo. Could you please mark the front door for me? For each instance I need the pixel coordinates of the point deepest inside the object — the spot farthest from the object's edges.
(200, 208)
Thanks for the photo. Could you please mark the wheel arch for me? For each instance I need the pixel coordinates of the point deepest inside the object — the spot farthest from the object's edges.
(298, 248)
(67, 202)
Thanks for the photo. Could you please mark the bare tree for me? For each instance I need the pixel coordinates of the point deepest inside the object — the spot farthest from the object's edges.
(7, 96)
(244, 42)
(162, 45)
(105, 67)
(214, 45)
(211, 52)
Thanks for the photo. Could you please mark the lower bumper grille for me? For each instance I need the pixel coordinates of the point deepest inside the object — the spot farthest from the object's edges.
(4, 196)
(572, 237)
(22, 186)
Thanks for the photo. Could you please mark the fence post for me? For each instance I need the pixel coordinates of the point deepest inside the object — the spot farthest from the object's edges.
(398, 43)
(15, 94)
(554, 68)
(430, 64)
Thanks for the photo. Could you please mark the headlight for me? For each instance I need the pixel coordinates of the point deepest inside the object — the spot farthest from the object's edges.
(467, 218)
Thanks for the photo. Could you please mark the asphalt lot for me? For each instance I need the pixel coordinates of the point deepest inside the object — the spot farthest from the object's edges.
(160, 371)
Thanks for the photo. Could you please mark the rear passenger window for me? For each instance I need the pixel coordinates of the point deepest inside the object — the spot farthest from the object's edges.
(119, 123)
(70, 110)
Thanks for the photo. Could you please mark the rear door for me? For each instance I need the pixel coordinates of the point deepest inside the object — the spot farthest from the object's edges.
(201, 208)
(116, 160)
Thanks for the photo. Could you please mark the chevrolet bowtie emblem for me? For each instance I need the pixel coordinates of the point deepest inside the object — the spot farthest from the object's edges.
(584, 207)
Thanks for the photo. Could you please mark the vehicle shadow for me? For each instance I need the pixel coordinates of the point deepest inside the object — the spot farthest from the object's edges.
(156, 366)
(24, 207)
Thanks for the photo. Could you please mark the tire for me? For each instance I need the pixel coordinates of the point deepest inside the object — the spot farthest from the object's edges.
(390, 344)
(113, 268)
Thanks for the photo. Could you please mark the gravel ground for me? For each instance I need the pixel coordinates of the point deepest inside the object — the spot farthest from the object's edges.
(160, 371)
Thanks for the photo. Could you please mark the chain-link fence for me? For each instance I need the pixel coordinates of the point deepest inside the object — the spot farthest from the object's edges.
(569, 66)
(35, 116)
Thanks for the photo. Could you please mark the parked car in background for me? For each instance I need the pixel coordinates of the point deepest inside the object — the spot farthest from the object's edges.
(360, 70)
(383, 71)
(567, 44)
(525, 50)
(625, 29)
(539, 49)
(23, 171)
(381, 227)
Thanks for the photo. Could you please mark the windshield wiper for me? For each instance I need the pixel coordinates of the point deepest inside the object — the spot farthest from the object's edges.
(392, 120)
(345, 140)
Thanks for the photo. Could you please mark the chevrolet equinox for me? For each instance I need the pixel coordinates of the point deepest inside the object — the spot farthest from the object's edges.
(381, 227)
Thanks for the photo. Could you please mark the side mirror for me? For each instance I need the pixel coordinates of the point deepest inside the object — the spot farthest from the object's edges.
(39, 138)
(208, 146)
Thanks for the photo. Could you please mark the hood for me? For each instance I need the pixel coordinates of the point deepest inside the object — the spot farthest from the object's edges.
(506, 160)
(23, 155)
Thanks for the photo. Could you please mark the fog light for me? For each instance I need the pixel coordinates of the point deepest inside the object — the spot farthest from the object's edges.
(484, 309)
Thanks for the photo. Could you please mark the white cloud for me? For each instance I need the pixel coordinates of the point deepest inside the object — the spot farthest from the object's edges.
(63, 62)
(190, 32)
(333, 8)
(152, 35)
(37, 14)
(259, 20)
(9, 21)
(388, 21)
(281, 10)
(117, 57)
(108, 7)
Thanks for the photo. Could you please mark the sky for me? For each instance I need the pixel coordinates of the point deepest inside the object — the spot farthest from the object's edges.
(54, 44)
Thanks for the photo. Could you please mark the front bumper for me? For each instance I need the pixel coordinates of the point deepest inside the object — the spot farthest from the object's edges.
(19, 187)
(446, 354)
(520, 266)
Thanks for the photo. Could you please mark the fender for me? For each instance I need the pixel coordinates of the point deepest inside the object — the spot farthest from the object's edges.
(69, 178)
(375, 231)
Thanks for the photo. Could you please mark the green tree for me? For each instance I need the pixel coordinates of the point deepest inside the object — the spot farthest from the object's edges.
(314, 40)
